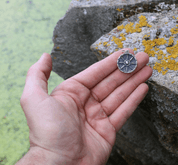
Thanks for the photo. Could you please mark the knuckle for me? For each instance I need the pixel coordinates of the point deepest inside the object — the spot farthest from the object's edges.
(134, 84)
(125, 115)
(95, 96)
(105, 109)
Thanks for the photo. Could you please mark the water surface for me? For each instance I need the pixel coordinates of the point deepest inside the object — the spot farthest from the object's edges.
(26, 29)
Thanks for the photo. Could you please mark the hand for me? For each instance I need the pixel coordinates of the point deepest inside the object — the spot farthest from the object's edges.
(78, 121)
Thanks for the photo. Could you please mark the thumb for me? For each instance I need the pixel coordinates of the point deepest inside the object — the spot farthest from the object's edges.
(36, 84)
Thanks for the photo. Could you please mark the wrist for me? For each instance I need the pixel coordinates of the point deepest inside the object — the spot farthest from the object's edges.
(39, 156)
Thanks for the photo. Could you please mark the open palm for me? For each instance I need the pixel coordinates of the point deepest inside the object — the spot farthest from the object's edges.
(78, 121)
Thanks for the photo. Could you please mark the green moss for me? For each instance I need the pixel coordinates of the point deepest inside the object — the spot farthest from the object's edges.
(26, 32)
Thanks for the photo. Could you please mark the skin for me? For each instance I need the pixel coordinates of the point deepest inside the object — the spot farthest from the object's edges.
(78, 121)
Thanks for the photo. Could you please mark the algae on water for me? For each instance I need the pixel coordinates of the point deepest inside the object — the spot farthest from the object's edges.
(26, 33)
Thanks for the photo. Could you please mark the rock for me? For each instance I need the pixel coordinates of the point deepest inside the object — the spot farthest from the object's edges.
(84, 23)
(154, 33)
(160, 109)
(73, 36)
(90, 3)
(138, 143)
(150, 135)
(115, 158)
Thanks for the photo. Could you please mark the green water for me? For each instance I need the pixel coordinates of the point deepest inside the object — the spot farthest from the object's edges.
(26, 29)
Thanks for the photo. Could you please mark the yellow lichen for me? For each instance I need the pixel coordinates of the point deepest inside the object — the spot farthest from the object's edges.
(173, 51)
(160, 41)
(148, 47)
(129, 28)
(105, 43)
(150, 44)
(164, 72)
(163, 64)
(143, 22)
(146, 36)
(123, 37)
(174, 30)
(171, 64)
(119, 9)
(160, 55)
(166, 65)
(157, 67)
(120, 27)
(166, 62)
(156, 49)
(118, 42)
(173, 82)
(171, 41)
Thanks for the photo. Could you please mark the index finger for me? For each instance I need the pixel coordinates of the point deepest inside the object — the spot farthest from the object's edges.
(98, 71)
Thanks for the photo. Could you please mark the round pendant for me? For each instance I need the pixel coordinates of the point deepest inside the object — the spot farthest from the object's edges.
(127, 62)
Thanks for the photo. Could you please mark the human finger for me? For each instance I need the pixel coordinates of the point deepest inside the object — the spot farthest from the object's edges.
(115, 79)
(123, 112)
(120, 94)
(98, 71)
(36, 81)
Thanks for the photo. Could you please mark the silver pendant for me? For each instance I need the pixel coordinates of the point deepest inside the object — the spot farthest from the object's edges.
(127, 62)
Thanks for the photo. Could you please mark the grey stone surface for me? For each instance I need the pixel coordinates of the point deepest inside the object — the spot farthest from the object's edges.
(115, 157)
(84, 23)
(138, 143)
(150, 135)
(73, 36)
(159, 109)
(89, 3)
(165, 22)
